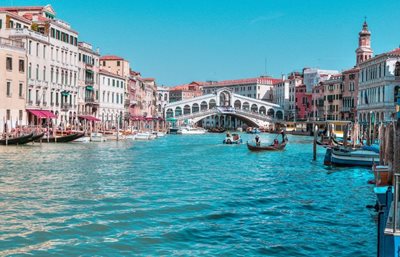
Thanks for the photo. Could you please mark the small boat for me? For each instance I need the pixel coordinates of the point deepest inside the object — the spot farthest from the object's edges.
(192, 131)
(98, 137)
(82, 140)
(256, 148)
(341, 156)
(232, 139)
(131, 137)
(36, 137)
(145, 136)
(17, 140)
(253, 131)
(173, 130)
(216, 130)
(61, 139)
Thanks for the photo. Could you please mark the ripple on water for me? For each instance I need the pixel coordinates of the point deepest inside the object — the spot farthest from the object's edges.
(181, 196)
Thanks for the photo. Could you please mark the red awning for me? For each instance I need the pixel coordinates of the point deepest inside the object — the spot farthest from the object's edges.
(89, 118)
(42, 114)
(135, 118)
(49, 114)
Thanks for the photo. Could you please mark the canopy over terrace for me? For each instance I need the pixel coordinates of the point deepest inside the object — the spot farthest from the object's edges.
(42, 114)
(88, 117)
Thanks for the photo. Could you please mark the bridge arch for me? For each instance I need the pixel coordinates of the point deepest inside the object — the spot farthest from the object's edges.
(225, 98)
(195, 108)
(186, 110)
(237, 104)
(178, 111)
(254, 108)
(246, 106)
(279, 115)
(271, 112)
(263, 110)
(170, 113)
(203, 106)
(212, 104)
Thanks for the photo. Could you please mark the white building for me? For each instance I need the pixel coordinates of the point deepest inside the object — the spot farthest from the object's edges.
(281, 94)
(313, 76)
(162, 99)
(52, 65)
(111, 98)
(258, 88)
(379, 83)
(88, 80)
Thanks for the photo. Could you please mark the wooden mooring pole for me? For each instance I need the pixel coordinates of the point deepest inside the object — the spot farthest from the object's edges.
(315, 142)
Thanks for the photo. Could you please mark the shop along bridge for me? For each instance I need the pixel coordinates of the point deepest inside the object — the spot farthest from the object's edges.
(224, 102)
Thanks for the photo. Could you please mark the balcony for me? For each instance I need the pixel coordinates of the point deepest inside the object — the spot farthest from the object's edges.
(37, 103)
(30, 102)
(23, 32)
(66, 107)
(91, 101)
(52, 104)
(132, 102)
(44, 103)
(89, 82)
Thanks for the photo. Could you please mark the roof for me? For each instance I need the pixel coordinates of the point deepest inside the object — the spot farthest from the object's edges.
(148, 79)
(354, 69)
(20, 8)
(29, 16)
(110, 58)
(258, 80)
(104, 72)
(186, 86)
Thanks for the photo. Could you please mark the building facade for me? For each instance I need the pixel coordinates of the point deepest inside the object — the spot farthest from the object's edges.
(13, 84)
(111, 99)
(333, 98)
(186, 91)
(303, 103)
(162, 99)
(379, 82)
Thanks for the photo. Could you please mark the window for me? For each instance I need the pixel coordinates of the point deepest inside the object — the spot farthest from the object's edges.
(30, 71)
(21, 88)
(8, 114)
(37, 72)
(1, 23)
(37, 49)
(30, 47)
(8, 89)
(44, 52)
(21, 66)
(20, 114)
(118, 63)
(44, 73)
(104, 63)
(53, 33)
(9, 63)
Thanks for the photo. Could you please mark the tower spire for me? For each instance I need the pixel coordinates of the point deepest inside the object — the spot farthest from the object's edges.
(364, 50)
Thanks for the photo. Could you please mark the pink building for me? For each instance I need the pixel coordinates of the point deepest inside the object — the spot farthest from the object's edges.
(186, 91)
(303, 103)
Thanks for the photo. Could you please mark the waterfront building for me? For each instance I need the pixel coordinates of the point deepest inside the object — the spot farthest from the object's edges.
(350, 94)
(333, 98)
(121, 67)
(52, 65)
(143, 103)
(13, 83)
(379, 82)
(312, 76)
(162, 99)
(186, 91)
(295, 80)
(88, 80)
(303, 103)
(281, 94)
(111, 98)
(317, 102)
(258, 88)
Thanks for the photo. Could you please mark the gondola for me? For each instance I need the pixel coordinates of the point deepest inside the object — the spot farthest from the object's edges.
(61, 139)
(17, 140)
(255, 148)
(216, 130)
(36, 137)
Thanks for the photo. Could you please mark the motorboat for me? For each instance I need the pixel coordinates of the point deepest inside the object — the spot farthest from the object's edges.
(158, 133)
(130, 137)
(192, 131)
(342, 156)
(82, 140)
(232, 139)
(98, 137)
(145, 136)
(253, 131)
(173, 130)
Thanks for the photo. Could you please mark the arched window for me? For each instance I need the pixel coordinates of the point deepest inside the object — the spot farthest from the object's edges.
(397, 69)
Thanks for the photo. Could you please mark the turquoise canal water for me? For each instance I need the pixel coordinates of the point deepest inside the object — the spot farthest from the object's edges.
(181, 196)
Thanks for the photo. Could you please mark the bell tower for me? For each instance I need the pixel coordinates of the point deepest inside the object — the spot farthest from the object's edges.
(364, 50)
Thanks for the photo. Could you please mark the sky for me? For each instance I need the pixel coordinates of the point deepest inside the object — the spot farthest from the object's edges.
(179, 41)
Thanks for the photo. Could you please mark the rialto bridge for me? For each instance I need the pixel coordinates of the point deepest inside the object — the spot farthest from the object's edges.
(223, 102)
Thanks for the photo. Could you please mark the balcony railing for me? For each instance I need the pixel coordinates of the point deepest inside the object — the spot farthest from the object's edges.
(52, 104)
(89, 82)
(66, 107)
(44, 103)
(27, 32)
(30, 102)
(37, 103)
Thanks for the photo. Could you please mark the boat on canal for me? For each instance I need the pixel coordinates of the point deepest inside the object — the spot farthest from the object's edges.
(145, 136)
(273, 147)
(252, 131)
(17, 140)
(216, 130)
(61, 139)
(342, 156)
(192, 131)
(231, 139)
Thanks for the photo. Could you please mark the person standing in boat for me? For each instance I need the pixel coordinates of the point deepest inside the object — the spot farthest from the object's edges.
(258, 141)
(283, 136)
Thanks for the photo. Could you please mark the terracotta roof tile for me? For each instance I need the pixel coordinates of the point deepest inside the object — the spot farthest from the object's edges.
(110, 57)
